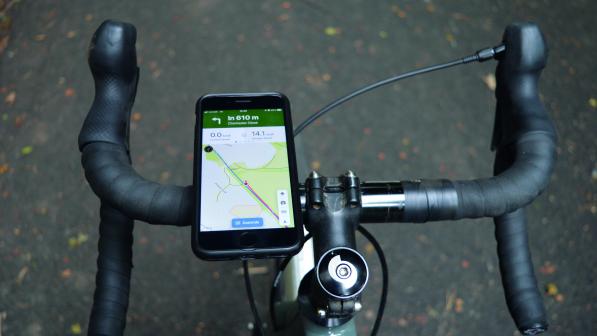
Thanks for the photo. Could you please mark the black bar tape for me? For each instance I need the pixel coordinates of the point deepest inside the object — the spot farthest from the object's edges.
(515, 187)
(103, 139)
(524, 300)
(112, 281)
(114, 180)
(429, 200)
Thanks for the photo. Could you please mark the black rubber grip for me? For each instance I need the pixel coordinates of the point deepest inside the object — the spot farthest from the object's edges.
(103, 139)
(112, 281)
(518, 278)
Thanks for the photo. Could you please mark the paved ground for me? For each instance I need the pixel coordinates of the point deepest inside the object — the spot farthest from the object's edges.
(444, 277)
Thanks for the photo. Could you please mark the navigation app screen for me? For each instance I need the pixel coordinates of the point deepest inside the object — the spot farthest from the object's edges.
(245, 179)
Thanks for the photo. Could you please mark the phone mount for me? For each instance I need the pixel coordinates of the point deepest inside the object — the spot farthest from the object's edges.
(329, 295)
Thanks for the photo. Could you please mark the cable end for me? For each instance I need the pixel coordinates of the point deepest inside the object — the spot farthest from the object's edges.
(489, 53)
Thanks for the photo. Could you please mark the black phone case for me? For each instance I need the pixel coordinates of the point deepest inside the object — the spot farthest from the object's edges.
(249, 253)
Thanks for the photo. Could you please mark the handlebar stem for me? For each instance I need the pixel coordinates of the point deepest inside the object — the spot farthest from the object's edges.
(332, 213)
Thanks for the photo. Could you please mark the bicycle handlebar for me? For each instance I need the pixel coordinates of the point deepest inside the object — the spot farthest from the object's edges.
(104, 138)
(524, 140)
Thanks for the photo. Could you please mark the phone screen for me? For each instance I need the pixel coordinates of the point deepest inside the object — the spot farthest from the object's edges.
(245, 173)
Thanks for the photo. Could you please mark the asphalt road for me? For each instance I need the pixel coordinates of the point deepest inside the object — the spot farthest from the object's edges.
(444, 276)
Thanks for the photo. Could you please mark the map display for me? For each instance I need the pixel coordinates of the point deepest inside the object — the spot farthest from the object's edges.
(245, 178)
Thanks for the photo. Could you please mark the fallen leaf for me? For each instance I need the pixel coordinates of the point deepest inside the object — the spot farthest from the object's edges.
(65, 274)
(26, 150)
(551, 289)
(137, 116)
(383, 34)
(490, 81)
(331, 31)
(369, 248)
(315, 165)
(3, 168)
(77, 240)
(39, 37)
(10, 98)
(88, 17)
(430, 7)
(22, 274)
(560, 297)
(69, 92)
(19, 121)
(450, 38)
(71, 34)
(458, 305)
(465, 264)
(81, 237)
(592, 101)
(75, 329)
(286, 5)
(3, 43)
(381, 156)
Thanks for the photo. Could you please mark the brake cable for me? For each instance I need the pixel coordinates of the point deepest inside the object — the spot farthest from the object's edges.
(479, 56)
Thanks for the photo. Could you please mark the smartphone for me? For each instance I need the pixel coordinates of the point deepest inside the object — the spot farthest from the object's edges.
(245, 178)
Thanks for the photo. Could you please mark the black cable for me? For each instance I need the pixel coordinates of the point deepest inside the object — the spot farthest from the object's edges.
(258, 328)
(480, 56)
(384, 275)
